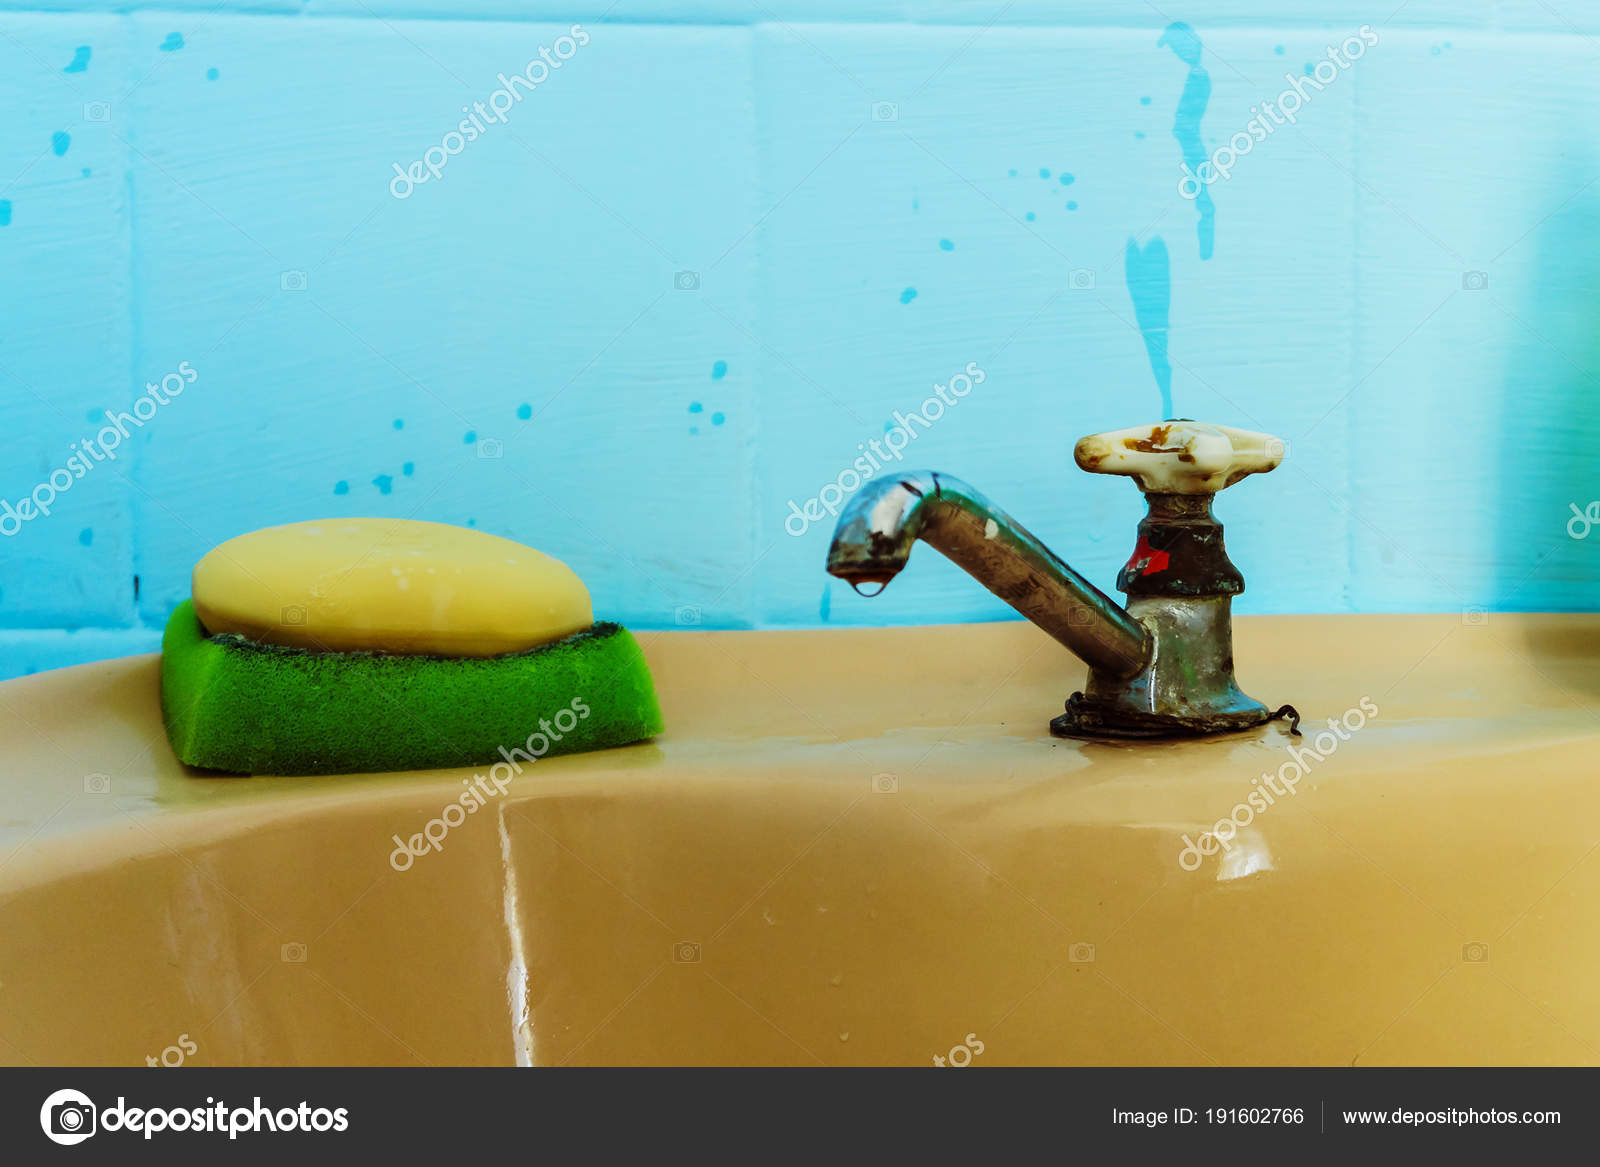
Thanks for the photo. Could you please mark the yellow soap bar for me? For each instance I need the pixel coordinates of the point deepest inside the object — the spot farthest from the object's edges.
(388, 585)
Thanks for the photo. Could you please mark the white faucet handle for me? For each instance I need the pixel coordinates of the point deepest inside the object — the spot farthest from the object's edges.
(1180, 456)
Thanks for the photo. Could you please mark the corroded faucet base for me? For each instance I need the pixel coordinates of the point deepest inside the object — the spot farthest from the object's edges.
(1186, 688)
(1087, 718)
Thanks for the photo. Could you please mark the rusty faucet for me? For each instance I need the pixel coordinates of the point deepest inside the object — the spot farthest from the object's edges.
(1162, 666)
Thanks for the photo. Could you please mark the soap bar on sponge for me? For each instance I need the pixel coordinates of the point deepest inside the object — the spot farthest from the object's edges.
(238, 705)
(355, 645)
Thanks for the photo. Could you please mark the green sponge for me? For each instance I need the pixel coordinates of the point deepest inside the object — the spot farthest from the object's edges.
(232, 704)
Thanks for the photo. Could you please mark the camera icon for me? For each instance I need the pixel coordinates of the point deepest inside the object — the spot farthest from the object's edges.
(97, 111)
(293, 615)
(1474, 281)
(68, 1117)
(687, 616)
(490, 448)
(1081, 954)
(292, 953)
(292, 281)
(97, 784)
(686, 281)
(1475, 953)
(885, 111)
(686, 952)
(1474, 617)
(1081, 279)
(885, 784)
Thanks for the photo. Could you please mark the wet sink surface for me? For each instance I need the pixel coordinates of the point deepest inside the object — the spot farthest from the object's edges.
(850, 847)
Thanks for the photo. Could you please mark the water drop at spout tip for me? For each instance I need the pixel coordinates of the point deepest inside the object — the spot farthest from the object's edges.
(868, 583)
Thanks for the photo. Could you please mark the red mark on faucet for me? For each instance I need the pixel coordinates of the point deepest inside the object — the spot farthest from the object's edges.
(1146, 560)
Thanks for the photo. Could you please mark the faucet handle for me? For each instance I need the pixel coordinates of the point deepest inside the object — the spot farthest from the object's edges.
(1179, 456)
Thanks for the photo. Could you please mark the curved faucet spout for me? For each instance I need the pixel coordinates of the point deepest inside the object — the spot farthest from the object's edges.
(873, 542)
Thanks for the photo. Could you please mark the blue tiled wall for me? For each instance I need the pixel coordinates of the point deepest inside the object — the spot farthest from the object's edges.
(724, 243)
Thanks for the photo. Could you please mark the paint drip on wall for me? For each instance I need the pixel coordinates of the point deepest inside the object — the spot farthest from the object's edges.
(1148, 269)
(1149, 274)
(1185, 42)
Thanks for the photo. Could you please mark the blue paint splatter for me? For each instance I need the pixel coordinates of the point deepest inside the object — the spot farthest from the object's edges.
(472, 522)
(5, 212)
(1011, 174)
(341, 487)
(1433, 50)
(470, 437)
(1309, 70)
(694, 429)
(825, 607)
(1068, 180)
(407, 468)
(85, 172)
(80, 60)
(173, 43)
(718, 418)
(1278, 49)
(1185, 43)
(212, 74)
(719, 370)
(1043, 173)
(95, 415)
(1144, 101)
(1149, 276)
(695, 407)
(1030, 216)
(946, 245)
(1072, 204)
(384, 483)
(86, 537)
(399, 423)
(908, 295)
(916, 205)
(524, 411)
(1139, 134)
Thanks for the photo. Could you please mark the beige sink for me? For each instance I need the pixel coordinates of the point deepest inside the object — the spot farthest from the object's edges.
(850, 847)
